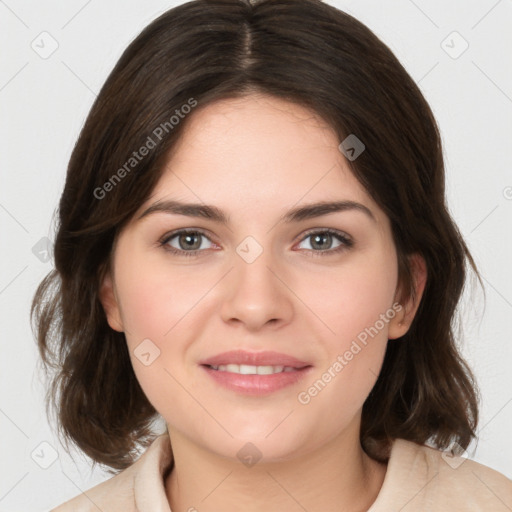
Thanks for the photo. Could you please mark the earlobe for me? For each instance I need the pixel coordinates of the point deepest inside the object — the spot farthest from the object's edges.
(400, 324)
(110, 304)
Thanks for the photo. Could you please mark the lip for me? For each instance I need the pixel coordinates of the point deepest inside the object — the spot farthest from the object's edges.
(266, 358)
(256, 385)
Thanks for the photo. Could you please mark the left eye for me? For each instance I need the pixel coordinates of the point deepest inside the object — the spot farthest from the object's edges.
(321, 239)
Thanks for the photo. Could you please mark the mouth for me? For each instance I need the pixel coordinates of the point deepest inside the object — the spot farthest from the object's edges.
(245, 369)
(255, 373)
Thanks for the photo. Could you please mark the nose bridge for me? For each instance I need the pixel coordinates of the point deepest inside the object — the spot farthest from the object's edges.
(256, 295)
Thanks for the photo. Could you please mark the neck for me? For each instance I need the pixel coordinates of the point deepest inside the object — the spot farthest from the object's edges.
(337, 476)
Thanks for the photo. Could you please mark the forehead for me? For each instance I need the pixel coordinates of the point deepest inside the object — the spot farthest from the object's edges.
(254, 153)
(255, 131)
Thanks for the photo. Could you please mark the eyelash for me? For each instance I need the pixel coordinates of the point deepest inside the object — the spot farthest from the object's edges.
(346, 242)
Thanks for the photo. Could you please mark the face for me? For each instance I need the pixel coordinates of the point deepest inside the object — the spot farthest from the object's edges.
(318, 287)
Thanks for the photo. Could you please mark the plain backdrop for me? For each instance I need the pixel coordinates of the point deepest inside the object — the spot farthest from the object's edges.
(457, 51)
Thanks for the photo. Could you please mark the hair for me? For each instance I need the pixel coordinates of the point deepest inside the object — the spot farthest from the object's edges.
(201, 52)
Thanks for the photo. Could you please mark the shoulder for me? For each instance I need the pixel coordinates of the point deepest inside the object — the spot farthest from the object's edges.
(102, 495)
(141, 483)
(425, 478)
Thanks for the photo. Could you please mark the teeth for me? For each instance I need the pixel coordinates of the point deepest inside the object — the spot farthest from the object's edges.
(245, 369)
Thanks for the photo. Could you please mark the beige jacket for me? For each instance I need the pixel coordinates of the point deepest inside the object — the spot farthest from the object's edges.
(418, 479)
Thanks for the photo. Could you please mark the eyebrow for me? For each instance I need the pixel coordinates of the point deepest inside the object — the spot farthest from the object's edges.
(300, 213)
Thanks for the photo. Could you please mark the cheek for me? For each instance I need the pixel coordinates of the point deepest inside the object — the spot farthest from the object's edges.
(160, 303)
(355, 303)
(353, 297)
(156, 296)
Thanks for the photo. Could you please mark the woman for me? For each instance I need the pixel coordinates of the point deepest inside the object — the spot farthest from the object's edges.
(254, 245)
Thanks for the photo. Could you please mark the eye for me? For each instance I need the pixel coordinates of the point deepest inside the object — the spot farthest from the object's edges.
(322, 240)
(189, 242)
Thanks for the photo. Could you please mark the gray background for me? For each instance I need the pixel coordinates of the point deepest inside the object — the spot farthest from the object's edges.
(43, 103)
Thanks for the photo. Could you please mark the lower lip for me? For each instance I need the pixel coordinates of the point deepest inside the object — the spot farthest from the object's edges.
(256, 384)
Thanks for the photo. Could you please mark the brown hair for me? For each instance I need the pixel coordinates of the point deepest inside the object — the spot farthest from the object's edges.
(306, 52)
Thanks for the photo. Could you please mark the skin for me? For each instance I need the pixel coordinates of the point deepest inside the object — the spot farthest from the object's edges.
(255, 158)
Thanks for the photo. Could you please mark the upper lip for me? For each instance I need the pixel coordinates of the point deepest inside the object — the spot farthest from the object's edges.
(267, 358)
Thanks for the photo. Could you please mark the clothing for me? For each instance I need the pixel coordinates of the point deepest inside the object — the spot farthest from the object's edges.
(418, 478)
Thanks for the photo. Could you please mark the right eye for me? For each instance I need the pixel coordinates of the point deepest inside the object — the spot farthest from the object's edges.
(188, 242)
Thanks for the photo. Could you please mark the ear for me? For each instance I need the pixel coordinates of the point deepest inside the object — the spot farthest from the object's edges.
(110, 303)
(400, 323)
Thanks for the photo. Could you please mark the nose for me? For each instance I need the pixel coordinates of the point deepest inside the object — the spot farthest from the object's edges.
(257, 294)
